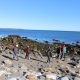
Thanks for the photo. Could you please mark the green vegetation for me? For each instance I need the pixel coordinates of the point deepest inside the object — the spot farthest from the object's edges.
(42, 47)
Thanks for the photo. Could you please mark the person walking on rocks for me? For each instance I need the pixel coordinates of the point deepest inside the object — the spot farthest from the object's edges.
(64, 51)
(27, 51)
(61, 52)
(16, 51)
(58, 52)
(49, 55)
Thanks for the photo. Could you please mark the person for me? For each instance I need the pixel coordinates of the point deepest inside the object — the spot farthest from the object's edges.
(64, 51)
(58, 52)
(16, 51)
(61, 52)
(27, 51)
(49, 55)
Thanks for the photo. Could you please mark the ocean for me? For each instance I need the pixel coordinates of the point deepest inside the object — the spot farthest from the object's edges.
(43, 35)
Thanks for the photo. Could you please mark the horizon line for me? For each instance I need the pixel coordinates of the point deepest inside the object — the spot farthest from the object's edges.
(41, 29)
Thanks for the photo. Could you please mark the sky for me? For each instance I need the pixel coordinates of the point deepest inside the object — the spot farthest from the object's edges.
(40, 14)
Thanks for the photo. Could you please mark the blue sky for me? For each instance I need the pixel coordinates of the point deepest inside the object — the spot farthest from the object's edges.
(40, 14)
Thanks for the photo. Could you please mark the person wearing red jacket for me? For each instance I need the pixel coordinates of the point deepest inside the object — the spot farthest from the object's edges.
(27, 51)
(61, 52)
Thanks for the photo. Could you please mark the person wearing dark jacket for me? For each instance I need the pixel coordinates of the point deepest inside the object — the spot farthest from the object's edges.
(58, 52)
(49, 55)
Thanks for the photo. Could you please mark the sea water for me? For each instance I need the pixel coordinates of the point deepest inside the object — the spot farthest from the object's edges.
(43, 35)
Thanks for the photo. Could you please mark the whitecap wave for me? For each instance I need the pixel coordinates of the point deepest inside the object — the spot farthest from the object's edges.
(2, 35)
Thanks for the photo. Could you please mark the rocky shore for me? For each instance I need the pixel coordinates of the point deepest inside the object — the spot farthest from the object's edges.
(36, 68)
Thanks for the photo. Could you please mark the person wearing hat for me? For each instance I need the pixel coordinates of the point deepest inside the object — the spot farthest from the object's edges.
(16, 51)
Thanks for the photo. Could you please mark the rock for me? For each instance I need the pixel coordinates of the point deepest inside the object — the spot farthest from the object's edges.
(27, 79)
(12, 79)
(8, 62)
(23, 70)
(38, 74)
(48, 69)
(7, 69)
(15, 78)
(71, 70)
(2, 72)
(64, 78)
(3, 77)
(32, 77)
(54, 56)
(76, 78)
(51, 76)
(23, 67)
(14, 70)
(68, 60)
(79, 74)
(78, 65)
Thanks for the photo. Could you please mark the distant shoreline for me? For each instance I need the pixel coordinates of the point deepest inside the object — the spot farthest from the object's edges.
(38, 30)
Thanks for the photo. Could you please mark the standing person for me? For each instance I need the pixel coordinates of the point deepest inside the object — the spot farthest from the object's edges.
(16, 51)
(58, 52)
(61, 52)
(27, 51)
(49, 55)
(64, 51)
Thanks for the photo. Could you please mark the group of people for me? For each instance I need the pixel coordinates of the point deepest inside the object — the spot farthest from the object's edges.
(61, 53)
(60, 50)
(16, 52)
